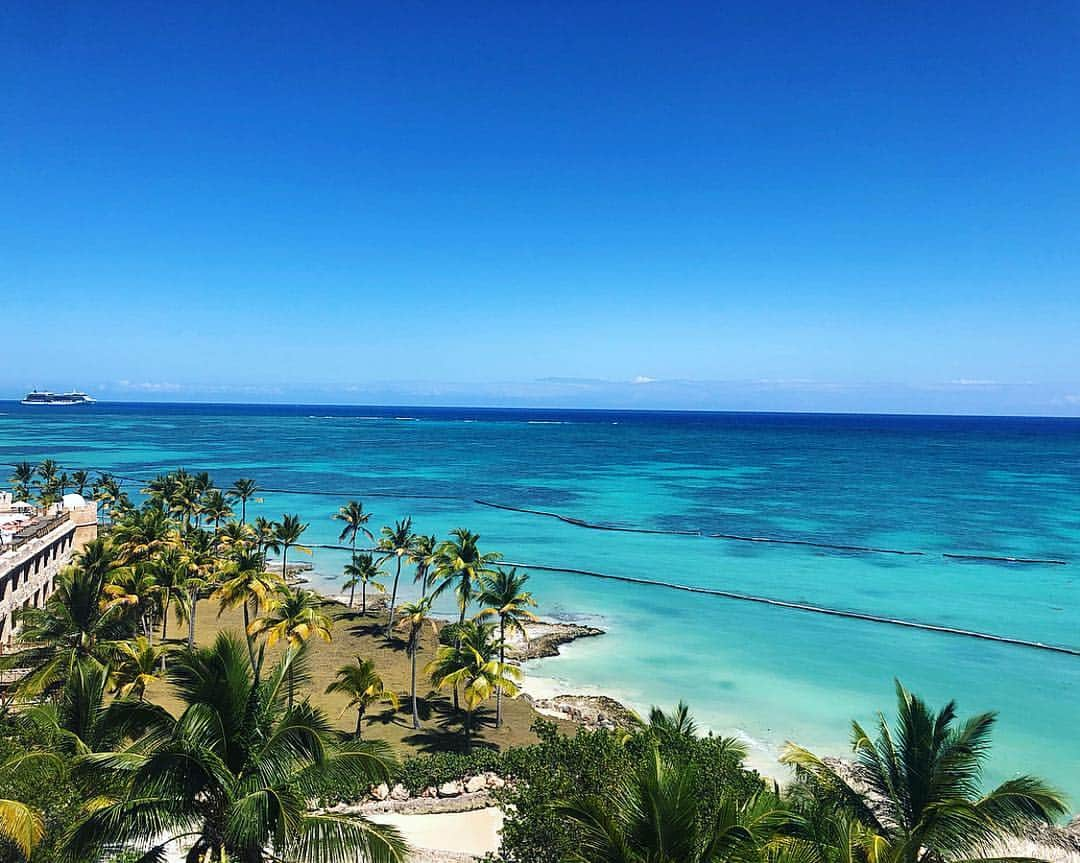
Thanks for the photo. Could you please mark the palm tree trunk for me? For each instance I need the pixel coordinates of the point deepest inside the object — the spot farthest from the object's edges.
(165, 624)
(284, 558)
(461, 622)
(193, 595)
(359, 722)
(247, 637)
(502, 662)
(415, 713)
(393, 600)
(352, 591)
(363, 597)
(468, 731)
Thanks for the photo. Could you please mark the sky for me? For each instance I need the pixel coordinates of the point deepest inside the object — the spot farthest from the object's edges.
(771, 206)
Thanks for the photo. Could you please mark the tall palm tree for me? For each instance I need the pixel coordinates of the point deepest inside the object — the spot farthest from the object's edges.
(77, 622)
(234, 774)
(473, 666)
(264, 531)
(287, 533)
(200, 555)
(396, 542)
(107, 492)
(142, 533)
(461, 565)
(504, 596)
(21, 478)
(916, 786)
(48, 481)
(216, 509)
(235, 536)
(170, 572)
(355, 522)
(423, 556)
(364, 687)
(80, 479)
(413, 617)
(295, 617)
(187, 497)
(655, 814)
(243, 490)
(135, 587)
(363, 571)
(247, 584)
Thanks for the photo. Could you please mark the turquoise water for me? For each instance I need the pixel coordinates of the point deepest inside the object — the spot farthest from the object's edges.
(1000, 487)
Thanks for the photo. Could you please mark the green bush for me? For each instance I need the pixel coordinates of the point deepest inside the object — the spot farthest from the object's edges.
(589, 763)
(54, 796)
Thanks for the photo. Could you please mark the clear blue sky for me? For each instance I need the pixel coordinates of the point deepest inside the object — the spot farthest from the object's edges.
(776, 205)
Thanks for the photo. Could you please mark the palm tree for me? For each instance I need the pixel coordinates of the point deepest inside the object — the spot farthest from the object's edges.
(295, 617)
(265, 531)
(200, 556)
(655, 814)
(423, 556)
(107, 492)
(22, 825)
(234, 773)
(77, 622)
(243, 490)
(187, 497)
(49, 481)
(170, 571)
(21, 478)
(249, 585)
(216, 509)
(142, 533)
(287, 535)
(84, 719)
(355, 519)
(236, 536)
(669, 726)
(136, 588)
(364, 687)
(80, 479)
(504, 596)
(412, 617)
(917, 786)
(363, 571)
(461, 565)
(473, 666)
(396, 542)
(136, 665)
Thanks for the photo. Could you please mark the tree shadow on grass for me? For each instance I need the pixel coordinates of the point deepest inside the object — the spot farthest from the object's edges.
(444, 729)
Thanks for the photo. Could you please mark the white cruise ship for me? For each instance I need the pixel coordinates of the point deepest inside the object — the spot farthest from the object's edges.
(72, 398)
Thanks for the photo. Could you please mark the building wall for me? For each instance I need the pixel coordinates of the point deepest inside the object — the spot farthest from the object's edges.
(28, 574)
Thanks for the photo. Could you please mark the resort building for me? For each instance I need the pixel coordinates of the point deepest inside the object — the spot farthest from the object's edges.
(34, 547)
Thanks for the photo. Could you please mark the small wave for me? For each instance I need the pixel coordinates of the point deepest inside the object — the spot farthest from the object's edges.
(546, 423)
(406, 419)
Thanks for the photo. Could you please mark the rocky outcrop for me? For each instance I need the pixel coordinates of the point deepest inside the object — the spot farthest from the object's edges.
(544, 638)
(592, 711)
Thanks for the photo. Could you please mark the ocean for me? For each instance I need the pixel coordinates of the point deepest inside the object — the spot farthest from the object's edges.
(838, 494)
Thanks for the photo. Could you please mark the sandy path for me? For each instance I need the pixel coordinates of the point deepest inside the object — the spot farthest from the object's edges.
(475, 832)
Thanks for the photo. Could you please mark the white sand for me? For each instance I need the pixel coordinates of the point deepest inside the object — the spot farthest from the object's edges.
(475, 832)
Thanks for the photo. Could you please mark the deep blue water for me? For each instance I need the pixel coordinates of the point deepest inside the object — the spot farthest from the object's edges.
(964, 485)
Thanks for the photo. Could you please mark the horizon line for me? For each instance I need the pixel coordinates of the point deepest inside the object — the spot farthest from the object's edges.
(536, 408)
